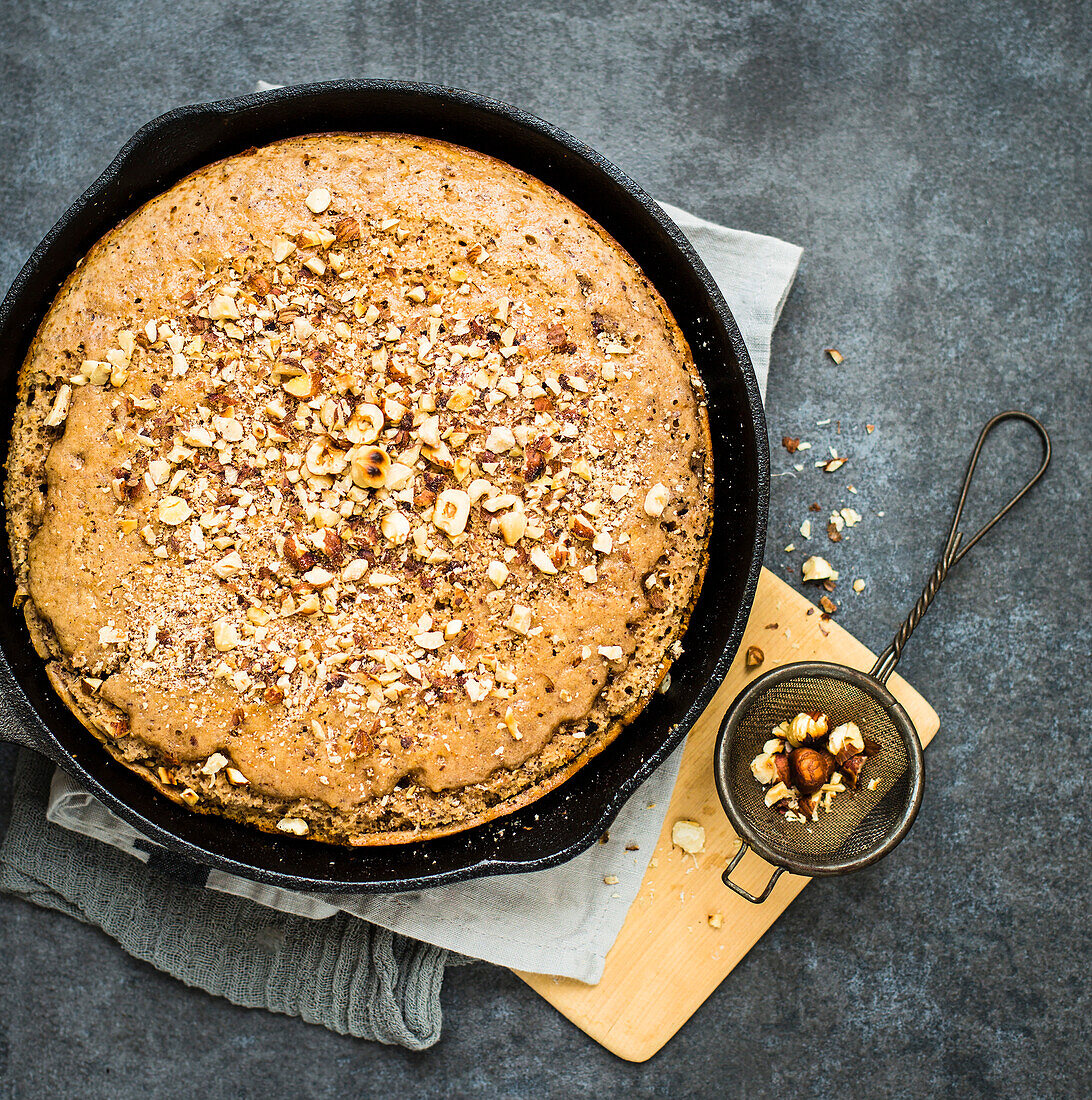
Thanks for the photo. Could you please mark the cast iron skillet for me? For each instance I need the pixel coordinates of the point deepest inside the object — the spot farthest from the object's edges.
(568, 820)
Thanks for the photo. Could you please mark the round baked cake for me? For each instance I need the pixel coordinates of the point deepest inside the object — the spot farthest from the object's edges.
(359, 489)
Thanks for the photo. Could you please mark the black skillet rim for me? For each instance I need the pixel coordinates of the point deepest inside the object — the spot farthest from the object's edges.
(29, 717)
(867, 683)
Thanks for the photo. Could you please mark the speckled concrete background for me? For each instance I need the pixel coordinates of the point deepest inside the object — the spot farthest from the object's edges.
(933, 160)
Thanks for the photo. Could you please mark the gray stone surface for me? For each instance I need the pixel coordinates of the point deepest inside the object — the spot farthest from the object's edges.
(933, 160)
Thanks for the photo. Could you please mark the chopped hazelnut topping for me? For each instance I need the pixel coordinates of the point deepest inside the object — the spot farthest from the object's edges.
(215, 763)
(519, 620)
(451, 512)
(228, 565)
(59, 411)
(656, 500)
(318, 200)
(174, 510)
(224, 635)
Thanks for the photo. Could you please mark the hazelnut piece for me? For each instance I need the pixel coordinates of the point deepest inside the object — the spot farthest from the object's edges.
(689, 836)
(845, 741)
(395, 527)
(519, 621)
(542, 561)
(174, 511)
(347, 230)
(512, 526)
(318, 200)
(656, 500)
(754, 657)
(370, 467)
(805, 728)
(816, 568)
(764, 769)
(778, 794)
(224, 635)
(852, 768)
(223, 308)
(59, 411)
(808, 805)
(365, 425)
(451, 511)
(581, 528)
(301, 386)
(781, 766)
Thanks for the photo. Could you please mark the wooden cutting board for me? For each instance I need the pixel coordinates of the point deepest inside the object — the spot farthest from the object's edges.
(668, 958)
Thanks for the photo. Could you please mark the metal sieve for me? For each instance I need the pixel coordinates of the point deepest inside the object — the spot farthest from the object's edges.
(866, 824)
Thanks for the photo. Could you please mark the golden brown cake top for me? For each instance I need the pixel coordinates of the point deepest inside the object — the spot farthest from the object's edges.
(375, 454)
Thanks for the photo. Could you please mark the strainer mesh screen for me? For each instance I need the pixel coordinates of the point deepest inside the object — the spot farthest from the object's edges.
(858, 821)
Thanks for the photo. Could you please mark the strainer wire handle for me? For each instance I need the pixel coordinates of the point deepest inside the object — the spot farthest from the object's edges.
(955, 549)
(726, 878)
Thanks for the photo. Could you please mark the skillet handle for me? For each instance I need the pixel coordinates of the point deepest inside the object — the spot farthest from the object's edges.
(20, 723)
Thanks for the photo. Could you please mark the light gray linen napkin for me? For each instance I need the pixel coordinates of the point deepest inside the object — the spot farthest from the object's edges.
(560, 921)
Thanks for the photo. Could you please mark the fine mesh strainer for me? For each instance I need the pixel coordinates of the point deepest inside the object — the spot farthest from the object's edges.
(866, 824)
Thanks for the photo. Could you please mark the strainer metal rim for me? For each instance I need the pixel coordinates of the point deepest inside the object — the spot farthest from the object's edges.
(868, 684)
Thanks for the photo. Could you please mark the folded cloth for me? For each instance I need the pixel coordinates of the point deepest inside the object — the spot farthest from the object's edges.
(309, 955)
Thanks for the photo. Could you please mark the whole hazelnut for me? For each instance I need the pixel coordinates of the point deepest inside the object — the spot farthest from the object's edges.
(811, 768)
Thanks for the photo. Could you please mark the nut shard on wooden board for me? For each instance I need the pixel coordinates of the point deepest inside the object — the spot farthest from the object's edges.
(328, 457)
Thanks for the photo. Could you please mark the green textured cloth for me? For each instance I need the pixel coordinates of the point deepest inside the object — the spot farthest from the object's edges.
(342, 972)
